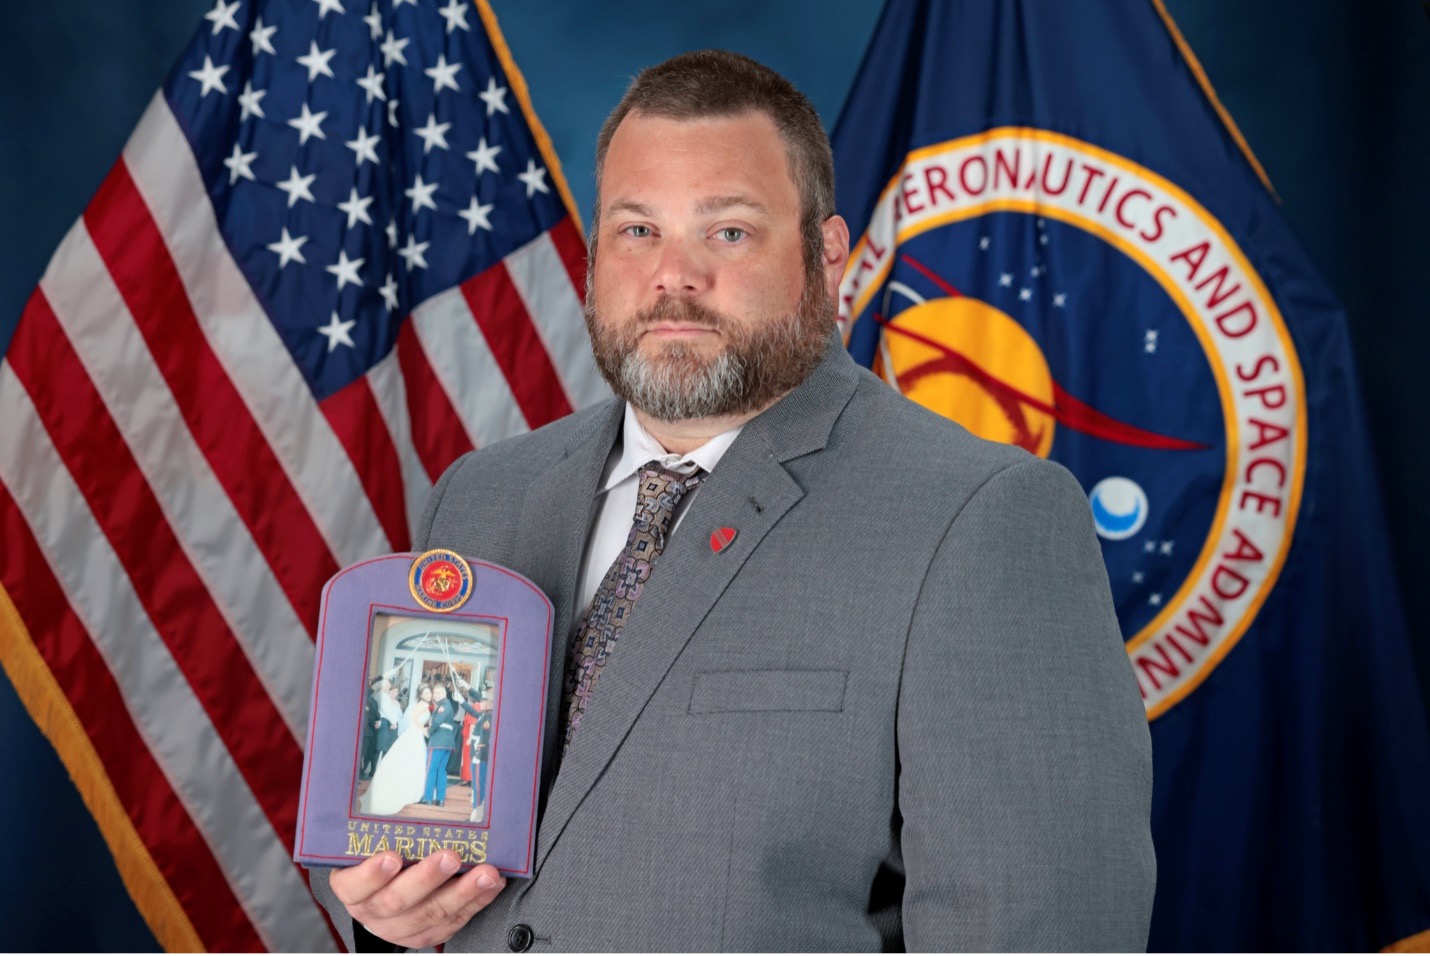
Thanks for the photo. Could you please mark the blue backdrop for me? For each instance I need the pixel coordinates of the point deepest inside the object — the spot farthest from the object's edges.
(1331, 96)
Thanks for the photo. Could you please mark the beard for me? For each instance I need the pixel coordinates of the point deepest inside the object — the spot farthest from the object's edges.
(761, 361)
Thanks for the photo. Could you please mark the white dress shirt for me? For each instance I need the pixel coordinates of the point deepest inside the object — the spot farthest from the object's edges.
(616, 499)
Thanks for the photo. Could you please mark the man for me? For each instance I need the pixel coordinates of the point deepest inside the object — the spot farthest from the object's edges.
(479, 746)
(371, 722)
(870, 693)
(441, 741)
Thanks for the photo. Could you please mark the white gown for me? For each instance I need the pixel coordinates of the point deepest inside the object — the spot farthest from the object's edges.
(401, 774)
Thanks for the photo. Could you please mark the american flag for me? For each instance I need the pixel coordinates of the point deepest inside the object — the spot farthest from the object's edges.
(336, 253)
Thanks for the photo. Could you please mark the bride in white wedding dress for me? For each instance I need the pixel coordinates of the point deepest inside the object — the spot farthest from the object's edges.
(399, 776)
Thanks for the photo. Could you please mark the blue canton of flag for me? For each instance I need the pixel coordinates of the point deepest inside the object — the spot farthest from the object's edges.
(1064, 244)
(336, 253)
(360, 162)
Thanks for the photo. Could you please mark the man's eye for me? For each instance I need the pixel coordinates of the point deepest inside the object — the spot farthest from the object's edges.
(638, 232)
(731, 234)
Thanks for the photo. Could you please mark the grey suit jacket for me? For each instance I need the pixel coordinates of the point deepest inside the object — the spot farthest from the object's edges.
(895, 712)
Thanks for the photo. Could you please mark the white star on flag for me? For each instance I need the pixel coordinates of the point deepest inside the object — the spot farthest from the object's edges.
(365, 146)
(248, 101)
(329, 6)
(485, 156)
(288, 249)
(1006, 280)
(433, 134)
(455, 13)
(388, 291)
(494, 96)
(238, 164)
(535, 179)
(391, 231)
(297, 187)
(210, 76)
(392, 50)
(392, 113)
(317, 61)
(337, 332)
(1025, 294)
(421, 195)
(476, 216)
(308, 125)
(1060, 300)
(374, 22)
(356, 208)
(346, 270)
(444, 75)
(412, 253)
(222, 16)
(372, 83)
(262, 38)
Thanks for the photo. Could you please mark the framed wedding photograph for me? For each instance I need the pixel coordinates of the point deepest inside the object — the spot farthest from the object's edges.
(428, 708)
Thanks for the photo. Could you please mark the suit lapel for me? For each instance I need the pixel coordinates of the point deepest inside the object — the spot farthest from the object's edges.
(749, 490)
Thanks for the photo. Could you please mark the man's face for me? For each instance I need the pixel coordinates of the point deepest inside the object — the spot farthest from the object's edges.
(700, 302)
(439, 692)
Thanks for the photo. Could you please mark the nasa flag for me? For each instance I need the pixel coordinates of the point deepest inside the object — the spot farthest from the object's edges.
(1063, 242)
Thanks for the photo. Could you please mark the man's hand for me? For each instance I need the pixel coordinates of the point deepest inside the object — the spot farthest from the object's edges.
(421, 906)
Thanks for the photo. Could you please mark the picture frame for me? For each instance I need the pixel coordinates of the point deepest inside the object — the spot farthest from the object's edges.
(452, 758)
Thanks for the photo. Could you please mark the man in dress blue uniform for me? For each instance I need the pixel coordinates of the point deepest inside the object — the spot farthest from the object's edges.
(481, 764)
(441, 741)
(480, 740)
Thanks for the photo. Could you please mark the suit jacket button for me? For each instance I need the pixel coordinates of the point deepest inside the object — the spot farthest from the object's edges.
(519, 938)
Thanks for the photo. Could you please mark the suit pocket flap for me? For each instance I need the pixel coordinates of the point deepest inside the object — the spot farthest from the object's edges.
(728, 692)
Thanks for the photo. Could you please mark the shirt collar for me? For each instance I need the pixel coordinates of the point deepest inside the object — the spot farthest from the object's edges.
(639, 447)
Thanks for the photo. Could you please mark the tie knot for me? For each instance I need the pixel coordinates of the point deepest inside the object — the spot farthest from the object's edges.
(661, 489)
(658, 492)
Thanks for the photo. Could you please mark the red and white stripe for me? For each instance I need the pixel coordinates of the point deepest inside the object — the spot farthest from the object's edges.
(173, 496)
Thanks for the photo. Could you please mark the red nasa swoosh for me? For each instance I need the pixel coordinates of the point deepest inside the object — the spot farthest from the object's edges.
(1065, 409)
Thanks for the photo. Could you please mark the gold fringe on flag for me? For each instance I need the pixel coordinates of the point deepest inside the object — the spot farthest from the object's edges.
(52, 712)
(1206, 86)
(1419, 943)
(523, 96)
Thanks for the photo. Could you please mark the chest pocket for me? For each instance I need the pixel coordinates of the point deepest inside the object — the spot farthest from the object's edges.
(762, 691)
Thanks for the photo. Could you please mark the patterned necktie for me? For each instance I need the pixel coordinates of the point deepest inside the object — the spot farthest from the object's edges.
(658, 491)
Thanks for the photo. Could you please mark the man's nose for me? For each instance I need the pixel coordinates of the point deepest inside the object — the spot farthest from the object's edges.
(681, 269)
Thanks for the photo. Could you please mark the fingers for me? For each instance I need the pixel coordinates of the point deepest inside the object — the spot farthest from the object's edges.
(352, 885)
(410, 889)
(421, 906)
(449, 909)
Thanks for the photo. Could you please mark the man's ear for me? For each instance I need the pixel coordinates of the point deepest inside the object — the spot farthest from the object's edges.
(836, 253)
